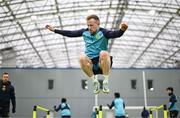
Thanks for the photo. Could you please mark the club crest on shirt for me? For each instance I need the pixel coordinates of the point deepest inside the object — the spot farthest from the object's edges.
(98, 35)
(4, 88)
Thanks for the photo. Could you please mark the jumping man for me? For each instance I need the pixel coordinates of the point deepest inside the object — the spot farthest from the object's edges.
(96, 59)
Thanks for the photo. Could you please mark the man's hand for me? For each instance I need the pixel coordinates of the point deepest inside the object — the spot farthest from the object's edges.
(54, 107)
(13, 110)
(50, 27)
(123, 26)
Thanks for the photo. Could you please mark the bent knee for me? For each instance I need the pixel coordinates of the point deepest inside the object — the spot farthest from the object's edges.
(104, 54)
(83, 59)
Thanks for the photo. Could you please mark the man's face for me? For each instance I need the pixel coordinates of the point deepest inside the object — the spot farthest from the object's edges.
(168, 91)
(93, 25)
(5, 77)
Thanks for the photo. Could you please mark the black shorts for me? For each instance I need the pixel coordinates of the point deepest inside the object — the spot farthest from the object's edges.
(66, 116)
(96, 67)
(120, 117)
(173, 114)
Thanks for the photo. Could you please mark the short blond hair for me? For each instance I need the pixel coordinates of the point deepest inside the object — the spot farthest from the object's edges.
(95, 17)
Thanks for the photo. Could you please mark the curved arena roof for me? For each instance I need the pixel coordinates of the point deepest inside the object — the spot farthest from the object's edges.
(152, 39)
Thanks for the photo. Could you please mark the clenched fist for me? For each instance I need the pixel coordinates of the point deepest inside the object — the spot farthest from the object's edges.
(50, 27)
(123, 26)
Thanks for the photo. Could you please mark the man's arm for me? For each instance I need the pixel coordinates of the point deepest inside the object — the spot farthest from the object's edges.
(57, 109)
(124, 105)
(172, 100)
(68, 33)
(13, 99)
(111, 106)
(142, 113)
(117, 33)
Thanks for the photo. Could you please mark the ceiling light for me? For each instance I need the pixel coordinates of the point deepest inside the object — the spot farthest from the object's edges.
(152, 12)
(91, 12)
(151, 89)
(33, 17)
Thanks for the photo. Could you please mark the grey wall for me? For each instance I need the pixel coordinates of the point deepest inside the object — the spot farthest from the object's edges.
(31, 87)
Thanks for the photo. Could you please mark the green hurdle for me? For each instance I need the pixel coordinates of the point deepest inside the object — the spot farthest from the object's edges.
(98, 110)
(164, 107)
(42, 109)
